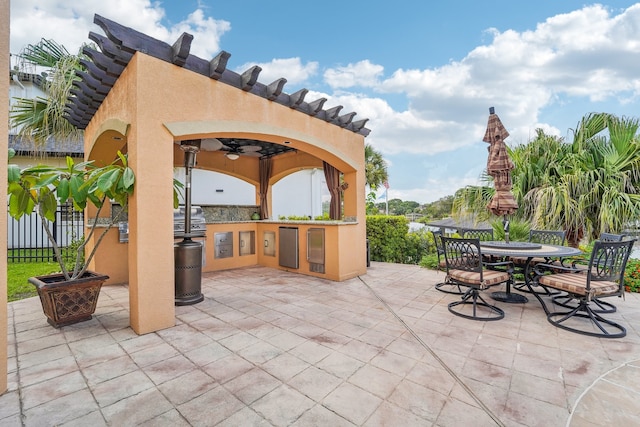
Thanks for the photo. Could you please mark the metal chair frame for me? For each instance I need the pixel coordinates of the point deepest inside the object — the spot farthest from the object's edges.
(610, 237)
(606, 264)
(549, 237)
(545, 237)
(446, 287)
(483, 234)
(464, 256)
(604, 307)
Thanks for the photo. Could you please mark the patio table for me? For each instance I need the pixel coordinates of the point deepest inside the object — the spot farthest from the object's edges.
(528, 250)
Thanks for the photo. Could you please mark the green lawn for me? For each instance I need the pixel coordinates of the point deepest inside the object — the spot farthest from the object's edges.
(17, 273)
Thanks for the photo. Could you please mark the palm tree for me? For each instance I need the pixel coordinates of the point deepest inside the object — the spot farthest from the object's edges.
(40, 118)
(375, 168)
(584, 187)
(471, 201)
(595, 186)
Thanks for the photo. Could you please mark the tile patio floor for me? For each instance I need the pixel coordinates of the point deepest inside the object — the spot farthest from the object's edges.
(272, 348)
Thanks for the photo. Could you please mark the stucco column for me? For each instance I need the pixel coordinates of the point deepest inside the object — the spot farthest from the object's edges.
(151, 259)
(354, 198)
(151, 272)
(4, 141)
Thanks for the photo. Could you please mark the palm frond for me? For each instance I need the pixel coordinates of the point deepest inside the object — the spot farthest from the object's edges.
(45, 53)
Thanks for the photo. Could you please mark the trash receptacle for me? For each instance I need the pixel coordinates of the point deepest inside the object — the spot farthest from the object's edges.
(188, 272)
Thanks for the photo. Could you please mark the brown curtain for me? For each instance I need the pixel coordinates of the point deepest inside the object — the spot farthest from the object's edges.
(265, 175)
(332, 176)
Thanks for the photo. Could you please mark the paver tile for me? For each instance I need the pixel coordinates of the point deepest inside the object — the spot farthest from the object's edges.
(268, 347)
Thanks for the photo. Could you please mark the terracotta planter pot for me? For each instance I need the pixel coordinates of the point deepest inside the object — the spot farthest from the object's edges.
(65, 303)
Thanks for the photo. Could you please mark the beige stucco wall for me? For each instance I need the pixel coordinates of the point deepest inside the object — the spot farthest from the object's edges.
(155, 103)
(4, 142)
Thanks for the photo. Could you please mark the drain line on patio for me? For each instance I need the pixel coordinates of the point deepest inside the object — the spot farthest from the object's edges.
(433, 353)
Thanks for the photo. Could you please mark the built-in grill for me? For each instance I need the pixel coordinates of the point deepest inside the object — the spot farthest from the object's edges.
(198, 225)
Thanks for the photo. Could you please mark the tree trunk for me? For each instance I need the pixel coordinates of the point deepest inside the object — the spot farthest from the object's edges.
(574, 237)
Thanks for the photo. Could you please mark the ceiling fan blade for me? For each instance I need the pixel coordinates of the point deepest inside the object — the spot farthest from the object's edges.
(251, 154)
(211, 144)
(250, 148)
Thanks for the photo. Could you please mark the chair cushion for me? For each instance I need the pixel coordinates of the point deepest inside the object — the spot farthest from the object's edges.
(490, 277)
(523, 260)
(577, 284)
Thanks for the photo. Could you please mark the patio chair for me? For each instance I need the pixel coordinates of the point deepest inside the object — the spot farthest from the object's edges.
(484, 234)
(610, 237)
(465, 268)
(603, 307)
(446, 287)
(544, 237)
(604, 277)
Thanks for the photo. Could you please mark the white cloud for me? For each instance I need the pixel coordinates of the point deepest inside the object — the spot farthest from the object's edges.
(362, 73)
(206, 33)
(291, 69)
(69, 23)
(586, 53)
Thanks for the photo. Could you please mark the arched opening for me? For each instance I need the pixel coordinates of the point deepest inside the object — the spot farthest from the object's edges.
(215, 188)
(300, 194)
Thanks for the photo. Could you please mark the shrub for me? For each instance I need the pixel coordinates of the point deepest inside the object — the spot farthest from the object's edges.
(386, 236)
(417, 245)
(390, 240)
(430, 261)
(632, 275)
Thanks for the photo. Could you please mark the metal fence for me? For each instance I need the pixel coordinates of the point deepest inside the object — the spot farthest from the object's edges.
(27, 239)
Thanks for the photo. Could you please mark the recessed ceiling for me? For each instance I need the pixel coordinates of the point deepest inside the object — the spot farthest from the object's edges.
(250, 147)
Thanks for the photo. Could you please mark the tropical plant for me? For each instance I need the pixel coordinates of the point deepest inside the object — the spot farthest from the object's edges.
(370, 203)
(594, 187)
(472, 201)
(42, 187)
(518, 230)
(375, 168)
(39, 118)
(584, 187)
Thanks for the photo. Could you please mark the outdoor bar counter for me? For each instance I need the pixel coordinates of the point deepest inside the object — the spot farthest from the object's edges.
(267, 242)
(334, 250)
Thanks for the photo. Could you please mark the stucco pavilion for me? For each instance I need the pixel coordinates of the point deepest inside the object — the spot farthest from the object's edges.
(143, 97)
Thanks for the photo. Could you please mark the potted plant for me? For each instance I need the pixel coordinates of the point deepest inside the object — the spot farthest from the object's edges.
(71, 295)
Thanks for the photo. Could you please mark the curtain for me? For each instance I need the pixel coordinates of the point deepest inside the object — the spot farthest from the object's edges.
(332, 176)
(265, 174)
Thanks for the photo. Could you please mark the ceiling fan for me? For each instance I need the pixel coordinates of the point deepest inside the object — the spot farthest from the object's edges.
(233, 148)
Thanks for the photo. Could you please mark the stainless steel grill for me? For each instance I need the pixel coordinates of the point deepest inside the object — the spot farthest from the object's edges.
(198, 224)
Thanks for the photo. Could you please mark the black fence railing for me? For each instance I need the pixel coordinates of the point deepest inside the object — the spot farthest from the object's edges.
(27, 239)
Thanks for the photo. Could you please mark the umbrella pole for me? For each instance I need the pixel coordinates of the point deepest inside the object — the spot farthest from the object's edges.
(505, 223)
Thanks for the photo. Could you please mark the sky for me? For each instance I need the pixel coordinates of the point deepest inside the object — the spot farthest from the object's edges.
(424, 73)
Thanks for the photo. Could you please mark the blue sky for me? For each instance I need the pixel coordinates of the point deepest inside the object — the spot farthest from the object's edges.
(424, 73)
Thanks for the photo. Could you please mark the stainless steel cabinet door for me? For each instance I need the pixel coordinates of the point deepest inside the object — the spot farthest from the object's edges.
(288, 247)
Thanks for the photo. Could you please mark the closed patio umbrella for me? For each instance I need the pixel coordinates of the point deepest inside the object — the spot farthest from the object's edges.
(499, 166)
